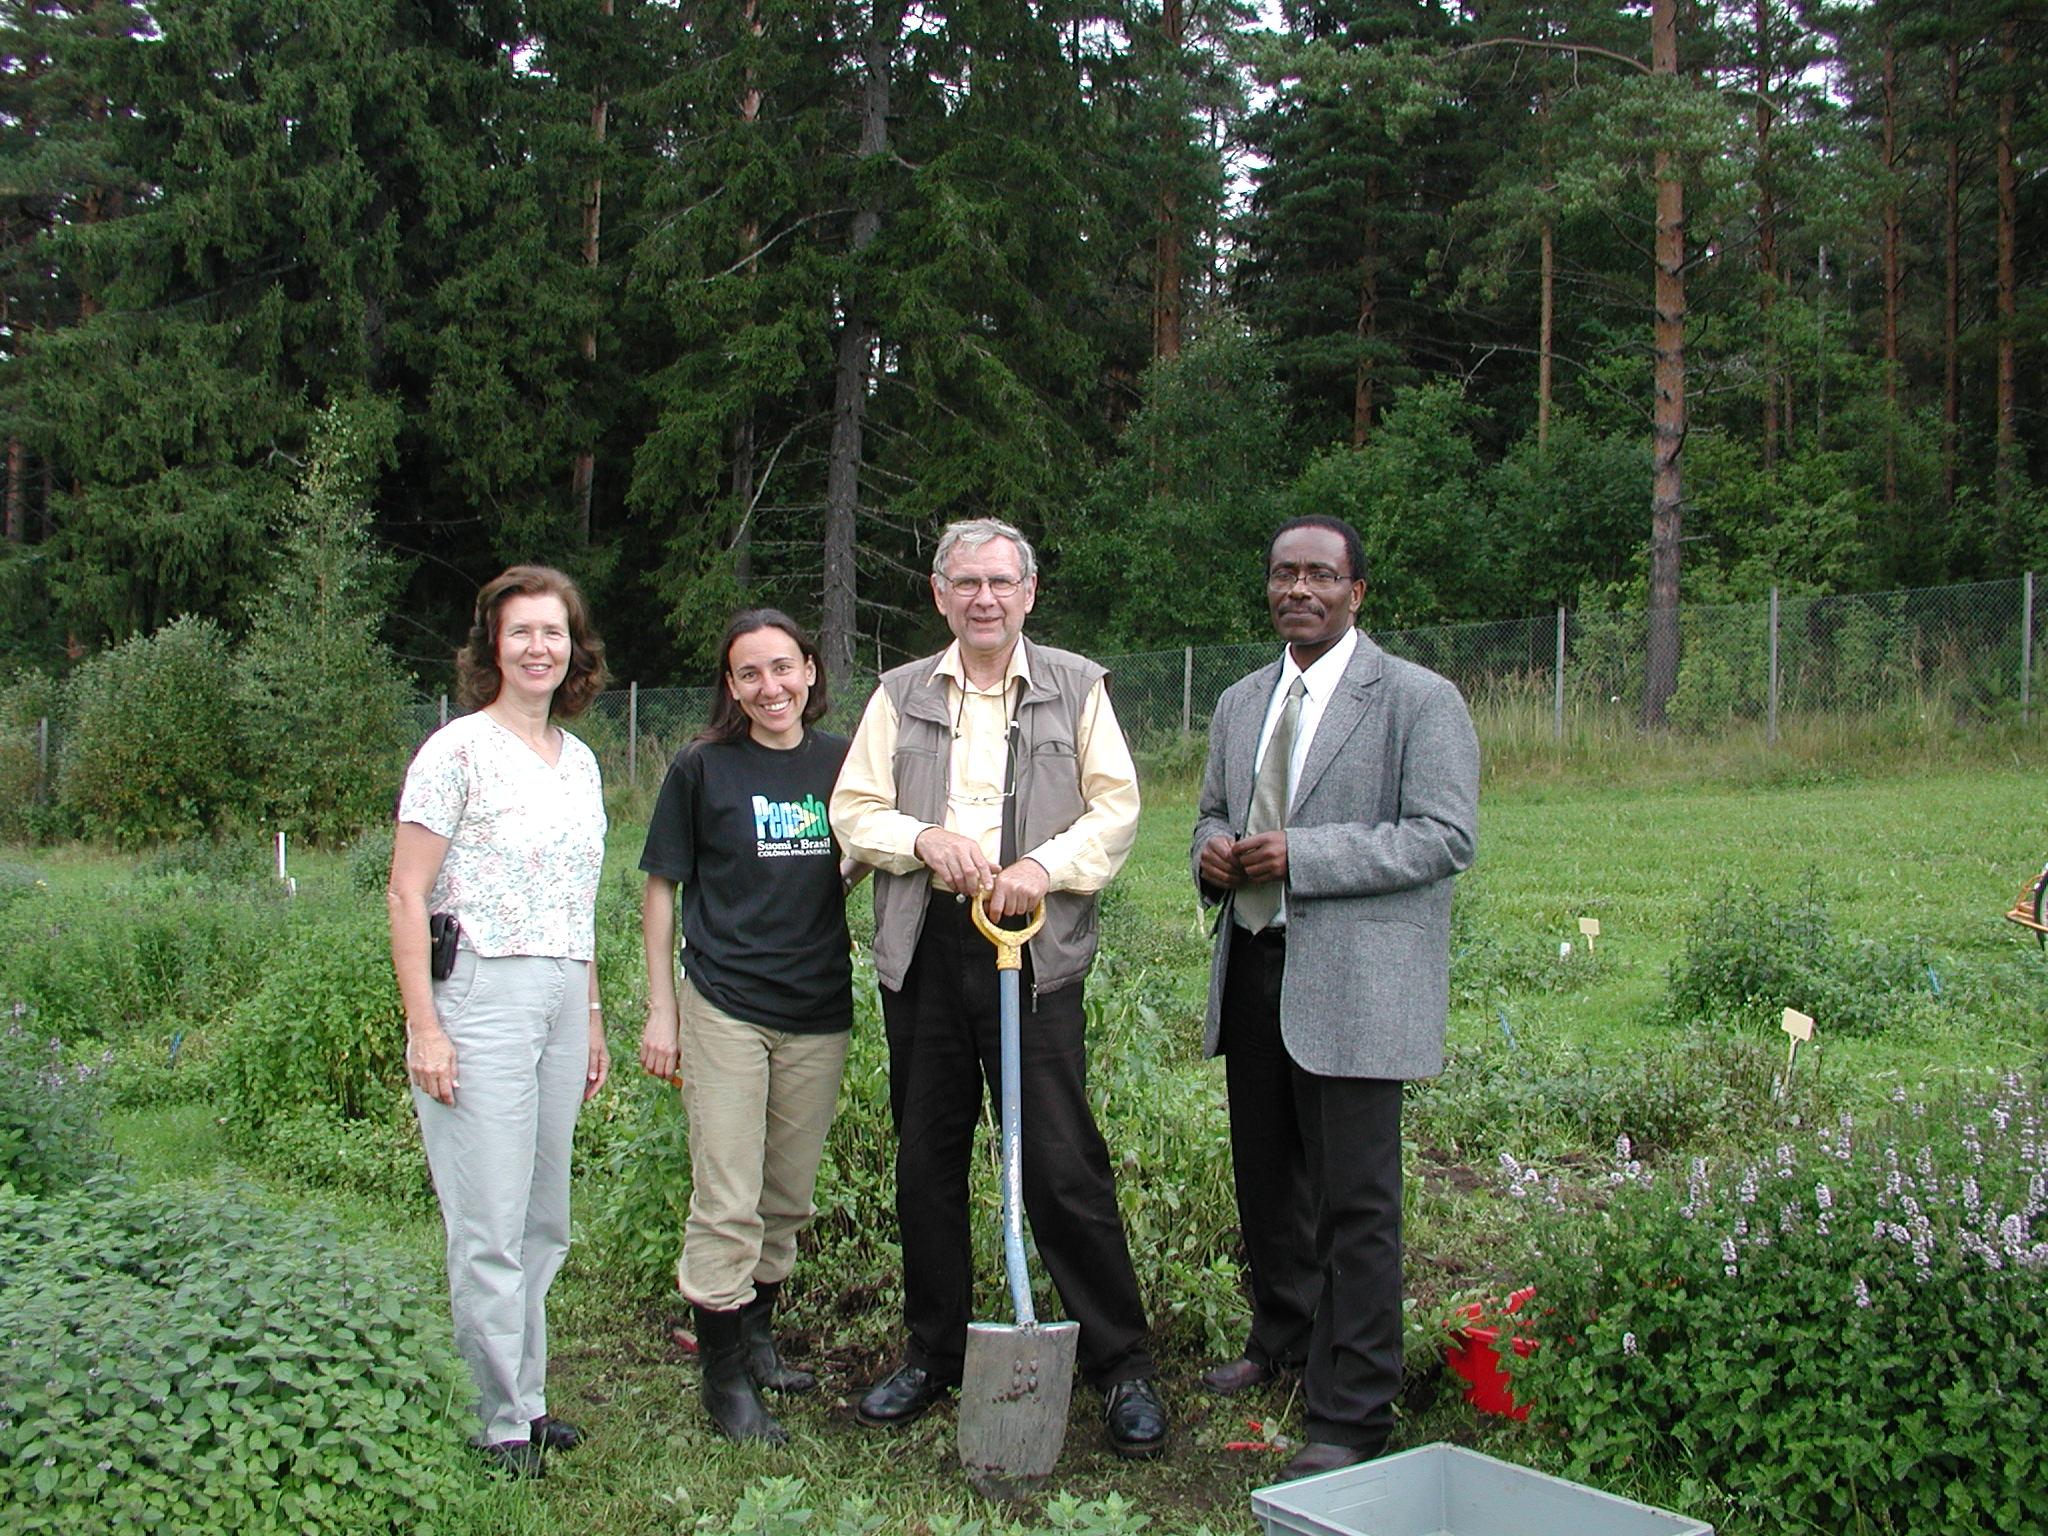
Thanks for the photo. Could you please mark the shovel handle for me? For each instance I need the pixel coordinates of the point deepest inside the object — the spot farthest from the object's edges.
(1009, 942)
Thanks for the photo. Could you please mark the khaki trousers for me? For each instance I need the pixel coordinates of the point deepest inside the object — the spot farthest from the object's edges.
(500, 1159)
(760, 1102)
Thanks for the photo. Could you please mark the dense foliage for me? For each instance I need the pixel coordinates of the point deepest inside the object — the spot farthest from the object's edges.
(49, 1109)
(1843, 1333)
(195, 1363)
(742, 303)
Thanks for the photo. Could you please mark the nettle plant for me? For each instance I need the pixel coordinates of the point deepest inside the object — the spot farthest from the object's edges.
(1849, 1333)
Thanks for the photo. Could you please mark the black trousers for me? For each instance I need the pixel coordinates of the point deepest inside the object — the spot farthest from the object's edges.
(943, 1048)
(1317, 1165)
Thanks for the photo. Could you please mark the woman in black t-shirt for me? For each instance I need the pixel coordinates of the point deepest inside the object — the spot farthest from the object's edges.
(759, 1031)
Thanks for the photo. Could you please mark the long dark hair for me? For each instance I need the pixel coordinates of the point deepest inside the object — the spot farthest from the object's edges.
(729, 722)
(477, 680)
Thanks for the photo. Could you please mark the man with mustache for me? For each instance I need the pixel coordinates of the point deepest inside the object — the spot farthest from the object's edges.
(1340, 799)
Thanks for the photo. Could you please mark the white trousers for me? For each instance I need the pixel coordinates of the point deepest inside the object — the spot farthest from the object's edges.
(760, 1101)
(500, 1160)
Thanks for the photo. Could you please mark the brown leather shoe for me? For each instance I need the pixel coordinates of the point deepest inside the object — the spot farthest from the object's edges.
(1321, 1456)
(1235, 1376)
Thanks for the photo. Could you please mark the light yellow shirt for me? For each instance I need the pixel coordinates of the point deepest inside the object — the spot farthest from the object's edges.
(1085, 857)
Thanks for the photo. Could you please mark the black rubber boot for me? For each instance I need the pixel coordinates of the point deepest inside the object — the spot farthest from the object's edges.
(757, 1319)
(729, 1393)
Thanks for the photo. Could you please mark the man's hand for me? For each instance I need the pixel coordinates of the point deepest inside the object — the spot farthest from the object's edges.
(1263, 858)
(956, 859)
(1018, 890)
(1219, 866)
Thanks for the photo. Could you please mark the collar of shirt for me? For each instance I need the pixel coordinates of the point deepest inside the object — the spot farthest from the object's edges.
(950, 667)
(1319, 681)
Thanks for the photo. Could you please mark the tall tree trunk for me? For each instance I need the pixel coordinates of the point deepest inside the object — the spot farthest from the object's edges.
(855, 355)
(1368, 315)
(1952, 275)
(584, 474)
(1166, 265)
(1546, 304)
(2007, 472)
(17, 490)
(1667, 491)
(1894, 279)
(1766, 233)
(742, 441)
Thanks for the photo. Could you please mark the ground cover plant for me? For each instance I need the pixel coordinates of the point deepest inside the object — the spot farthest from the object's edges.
(1551, 1059)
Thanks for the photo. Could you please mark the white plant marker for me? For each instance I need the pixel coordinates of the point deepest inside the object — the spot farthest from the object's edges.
(1564, 949)
(291, 886)
(1800, 1027)
(1590, 927)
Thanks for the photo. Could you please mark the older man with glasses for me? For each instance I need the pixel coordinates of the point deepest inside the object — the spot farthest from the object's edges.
(995, 768)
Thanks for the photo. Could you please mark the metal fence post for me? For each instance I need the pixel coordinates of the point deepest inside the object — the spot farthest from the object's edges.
(1187, 691)
(1557, 704)
(2026, 647)
(1771, 723)
(444, 709)
(632, 733)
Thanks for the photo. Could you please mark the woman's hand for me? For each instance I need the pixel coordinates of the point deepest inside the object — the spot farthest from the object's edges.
(430, 1061)
(659, 1052)
(600, 1057)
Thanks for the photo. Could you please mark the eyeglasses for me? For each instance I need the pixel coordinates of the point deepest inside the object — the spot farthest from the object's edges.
(1320, 578)
(970, 586)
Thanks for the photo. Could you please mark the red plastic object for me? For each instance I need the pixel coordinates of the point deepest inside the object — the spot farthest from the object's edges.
(1476, 1357)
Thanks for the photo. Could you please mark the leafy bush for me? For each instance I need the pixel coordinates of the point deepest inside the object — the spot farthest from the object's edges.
(160, 954)
(49, 1110)
(1750, 954)
(153, 749)
(173, 1362)
(369, 861)
(215, 861)
(1845, 1334)
(324, 1030)
(24, 795)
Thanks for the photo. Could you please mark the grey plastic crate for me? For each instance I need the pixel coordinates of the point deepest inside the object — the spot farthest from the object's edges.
(1446, 1490)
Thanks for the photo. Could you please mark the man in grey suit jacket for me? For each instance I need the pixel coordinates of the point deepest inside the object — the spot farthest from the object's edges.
(1333, 866)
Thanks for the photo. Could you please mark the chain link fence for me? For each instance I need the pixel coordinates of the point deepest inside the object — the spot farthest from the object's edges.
(1968, 655)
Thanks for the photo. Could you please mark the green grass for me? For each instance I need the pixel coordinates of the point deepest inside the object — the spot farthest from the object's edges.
(1928, 847)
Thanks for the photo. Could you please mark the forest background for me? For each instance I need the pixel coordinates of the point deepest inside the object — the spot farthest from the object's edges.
(1560, 302)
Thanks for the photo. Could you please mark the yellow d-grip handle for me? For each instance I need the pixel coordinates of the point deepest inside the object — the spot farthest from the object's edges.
(1009, 942)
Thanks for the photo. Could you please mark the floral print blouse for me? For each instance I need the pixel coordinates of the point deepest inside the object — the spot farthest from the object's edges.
(525, 841)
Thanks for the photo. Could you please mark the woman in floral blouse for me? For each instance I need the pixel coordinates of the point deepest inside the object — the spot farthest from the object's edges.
(501, 825)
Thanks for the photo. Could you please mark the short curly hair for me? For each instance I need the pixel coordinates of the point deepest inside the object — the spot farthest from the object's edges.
(477, 679)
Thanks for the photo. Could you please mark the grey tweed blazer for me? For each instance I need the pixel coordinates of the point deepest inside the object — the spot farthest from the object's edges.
(1385, 814)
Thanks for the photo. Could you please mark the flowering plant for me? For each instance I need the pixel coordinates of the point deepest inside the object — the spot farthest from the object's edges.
(1846, 1333)
(49, 1108)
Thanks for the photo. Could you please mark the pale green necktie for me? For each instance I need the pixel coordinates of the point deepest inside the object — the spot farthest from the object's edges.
(1258, 905)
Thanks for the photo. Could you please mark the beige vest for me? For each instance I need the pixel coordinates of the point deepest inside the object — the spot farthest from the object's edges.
(1048, 801)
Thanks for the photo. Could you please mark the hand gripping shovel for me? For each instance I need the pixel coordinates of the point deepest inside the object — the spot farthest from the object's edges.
(1017, 1377)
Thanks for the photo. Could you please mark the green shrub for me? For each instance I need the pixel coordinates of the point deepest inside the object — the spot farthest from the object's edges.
(213, 860)
(328, 707)
(24, 793)
(179, 1362)
(324, 1030)
(158, 954)
(380, 1155)
(1750, 954)
(49, 1110)
(1846, 1333)
(369, 861)
(153, 749)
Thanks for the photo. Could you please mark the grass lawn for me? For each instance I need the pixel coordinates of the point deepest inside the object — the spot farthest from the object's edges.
(1930, 857)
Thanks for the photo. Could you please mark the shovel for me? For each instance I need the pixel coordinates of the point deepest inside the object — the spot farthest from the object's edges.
(1017, 1377)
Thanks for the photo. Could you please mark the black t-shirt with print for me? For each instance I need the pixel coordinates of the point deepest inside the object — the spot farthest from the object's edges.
(742, 829)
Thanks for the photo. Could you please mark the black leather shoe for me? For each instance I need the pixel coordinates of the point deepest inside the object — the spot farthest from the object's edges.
(1321, 1456)
(1136, 1418)
(553, 1434)
(516, 1459)
(1235, 1376)
(902, 1395)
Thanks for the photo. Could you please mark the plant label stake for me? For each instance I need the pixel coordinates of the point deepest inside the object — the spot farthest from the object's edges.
(1017, 1378)
(1800, 1027)
(1590, 927)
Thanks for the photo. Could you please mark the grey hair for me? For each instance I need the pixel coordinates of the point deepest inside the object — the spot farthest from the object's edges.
(977, 531)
